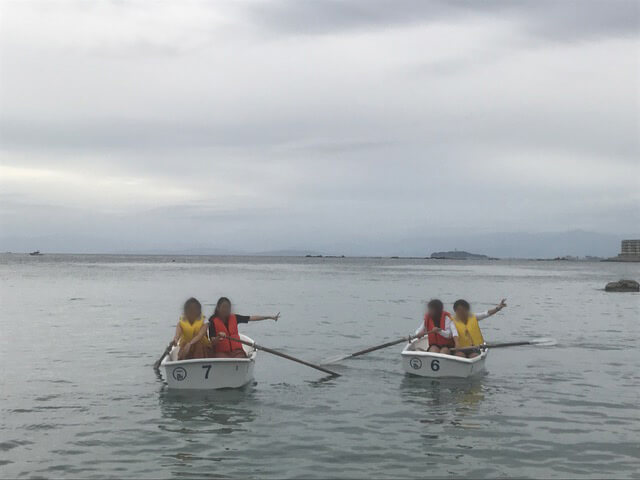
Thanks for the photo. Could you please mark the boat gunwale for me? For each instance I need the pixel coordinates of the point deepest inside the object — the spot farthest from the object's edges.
(172, 363)
(408, 353)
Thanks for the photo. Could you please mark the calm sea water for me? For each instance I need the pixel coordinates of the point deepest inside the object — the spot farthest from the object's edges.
(79, 397)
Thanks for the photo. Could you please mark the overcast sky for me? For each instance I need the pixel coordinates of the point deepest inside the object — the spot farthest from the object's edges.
(319, 124)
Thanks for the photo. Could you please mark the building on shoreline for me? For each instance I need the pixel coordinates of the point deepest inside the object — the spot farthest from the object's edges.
(629, 252)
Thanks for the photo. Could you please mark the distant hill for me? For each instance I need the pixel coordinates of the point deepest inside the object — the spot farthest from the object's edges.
(458, 255)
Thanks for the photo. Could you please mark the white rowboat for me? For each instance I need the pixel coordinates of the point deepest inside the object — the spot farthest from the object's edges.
(417, 361)
(209, 373)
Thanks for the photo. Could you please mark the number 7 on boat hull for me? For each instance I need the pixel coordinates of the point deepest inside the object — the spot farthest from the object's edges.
(417, 361)
(209, 373)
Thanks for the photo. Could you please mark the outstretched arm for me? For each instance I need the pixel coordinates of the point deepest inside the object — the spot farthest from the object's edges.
(257, 318)
(497, 308)
(493, 311)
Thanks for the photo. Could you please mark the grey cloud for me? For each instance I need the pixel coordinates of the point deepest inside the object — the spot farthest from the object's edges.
(583, 19)
(284, 134)
(336, 146)
(439, 133)
(122, 133)
(552, 19)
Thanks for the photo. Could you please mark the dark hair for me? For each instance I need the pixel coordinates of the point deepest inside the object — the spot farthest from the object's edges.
(439, 307)
(221, 300)
(461, 303)
(216, 312)
(192, 301)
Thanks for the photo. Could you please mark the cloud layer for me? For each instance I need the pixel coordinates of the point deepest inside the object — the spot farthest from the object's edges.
(304, 124)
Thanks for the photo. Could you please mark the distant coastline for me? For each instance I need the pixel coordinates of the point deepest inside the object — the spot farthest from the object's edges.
(549, 245)
(174, 256)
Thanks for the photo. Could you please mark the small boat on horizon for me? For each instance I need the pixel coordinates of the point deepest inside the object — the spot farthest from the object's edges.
(36, 253)
(209, 373)
(417, 361)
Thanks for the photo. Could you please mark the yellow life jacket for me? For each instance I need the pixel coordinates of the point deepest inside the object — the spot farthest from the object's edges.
(190, 330)
(469, 333)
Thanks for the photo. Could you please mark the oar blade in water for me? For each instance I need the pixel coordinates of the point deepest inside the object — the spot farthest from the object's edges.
(544, 341)
(336, 359)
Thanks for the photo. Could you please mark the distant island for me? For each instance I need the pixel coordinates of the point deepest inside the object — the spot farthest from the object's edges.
(459, 255)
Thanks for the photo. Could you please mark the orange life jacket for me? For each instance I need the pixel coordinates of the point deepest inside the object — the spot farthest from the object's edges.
(230, 330)
(435, 338)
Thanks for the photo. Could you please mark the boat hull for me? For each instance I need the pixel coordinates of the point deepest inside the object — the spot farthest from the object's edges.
(209, 373)
(416, 361)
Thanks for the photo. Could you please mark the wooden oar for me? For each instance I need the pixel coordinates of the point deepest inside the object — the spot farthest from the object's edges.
(536, 341)
(283, 355)
(156, 365)
(368, 350)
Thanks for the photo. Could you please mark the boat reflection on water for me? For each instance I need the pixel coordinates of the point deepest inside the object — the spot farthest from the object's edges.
(444, 400)
(208, 411)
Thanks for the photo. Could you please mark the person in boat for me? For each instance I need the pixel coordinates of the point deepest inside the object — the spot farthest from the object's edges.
(466, 323)
(223, 325)
(187, 337)
(439, 327)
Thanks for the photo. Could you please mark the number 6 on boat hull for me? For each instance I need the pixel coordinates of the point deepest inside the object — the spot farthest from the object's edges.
(417, 361)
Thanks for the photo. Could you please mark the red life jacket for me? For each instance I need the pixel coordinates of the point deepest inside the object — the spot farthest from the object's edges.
(435, 338)
(230, 330)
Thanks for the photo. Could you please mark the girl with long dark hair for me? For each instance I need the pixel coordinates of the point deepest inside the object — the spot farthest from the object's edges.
(439, 327)
(223, 326)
